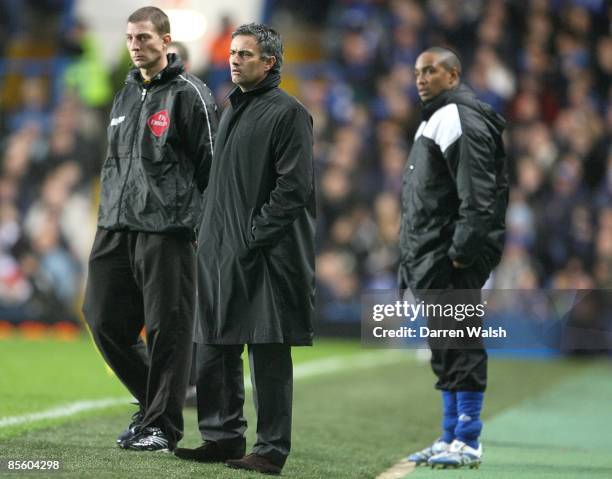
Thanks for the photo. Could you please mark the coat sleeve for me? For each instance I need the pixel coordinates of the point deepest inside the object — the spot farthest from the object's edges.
(293, 187)
(471, 160)
(201, 123)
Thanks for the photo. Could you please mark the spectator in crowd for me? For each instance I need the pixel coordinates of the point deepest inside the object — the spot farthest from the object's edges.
(216, 74)
(180, 50)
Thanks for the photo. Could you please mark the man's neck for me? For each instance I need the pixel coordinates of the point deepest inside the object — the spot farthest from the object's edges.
(149, 73)
(253, 87)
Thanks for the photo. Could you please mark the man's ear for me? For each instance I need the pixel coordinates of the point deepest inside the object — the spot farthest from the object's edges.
(269, 63)
(167, 39)
(454, 75)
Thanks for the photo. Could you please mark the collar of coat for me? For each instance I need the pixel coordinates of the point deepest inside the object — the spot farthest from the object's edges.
(173, 69)
(237, 96)
(462, 95)
(428, 108)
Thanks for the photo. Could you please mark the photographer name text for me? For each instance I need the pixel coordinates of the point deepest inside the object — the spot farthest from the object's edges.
(425, 332)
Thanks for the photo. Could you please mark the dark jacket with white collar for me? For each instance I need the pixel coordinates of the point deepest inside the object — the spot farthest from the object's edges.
(455, 190)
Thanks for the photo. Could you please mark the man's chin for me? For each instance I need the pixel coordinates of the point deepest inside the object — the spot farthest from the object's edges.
(242, 85)
(142, 64)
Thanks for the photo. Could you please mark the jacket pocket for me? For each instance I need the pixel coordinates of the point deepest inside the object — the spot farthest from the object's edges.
(157, 187)
(247, 235)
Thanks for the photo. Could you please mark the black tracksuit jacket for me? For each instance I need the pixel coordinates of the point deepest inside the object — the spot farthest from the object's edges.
(455, 191)
(152, 168)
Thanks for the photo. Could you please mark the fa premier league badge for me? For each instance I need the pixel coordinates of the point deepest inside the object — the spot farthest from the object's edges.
(159, 122)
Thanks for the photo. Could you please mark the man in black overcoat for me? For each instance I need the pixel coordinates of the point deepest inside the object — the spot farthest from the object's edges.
(255, 259)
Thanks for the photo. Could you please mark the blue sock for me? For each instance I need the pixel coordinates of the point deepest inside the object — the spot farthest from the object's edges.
(449, 418)
(469, 425)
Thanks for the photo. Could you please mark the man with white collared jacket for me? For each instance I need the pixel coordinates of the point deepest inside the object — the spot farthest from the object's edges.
(454, 200)
(142, 264)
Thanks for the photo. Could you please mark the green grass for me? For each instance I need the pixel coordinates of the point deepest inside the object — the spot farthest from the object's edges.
(36, 375)
(561, 433)
(349, 424)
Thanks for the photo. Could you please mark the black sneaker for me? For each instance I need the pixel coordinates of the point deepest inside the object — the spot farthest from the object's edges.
(132, 429)
(149, 438)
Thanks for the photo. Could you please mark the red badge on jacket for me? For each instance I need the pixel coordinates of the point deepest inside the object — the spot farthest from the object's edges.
(159, 122)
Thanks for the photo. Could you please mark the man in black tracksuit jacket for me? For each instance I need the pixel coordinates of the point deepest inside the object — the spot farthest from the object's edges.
(142, 264)
(255, 260)
(454, 199)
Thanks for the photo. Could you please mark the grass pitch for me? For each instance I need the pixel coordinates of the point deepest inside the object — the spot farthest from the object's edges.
(542, 418)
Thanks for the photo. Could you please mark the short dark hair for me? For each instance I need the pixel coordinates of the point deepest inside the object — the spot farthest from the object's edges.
(448, 58)
(157, 17)
(269, 41)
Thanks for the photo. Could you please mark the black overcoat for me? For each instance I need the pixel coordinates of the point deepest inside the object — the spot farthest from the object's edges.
(256, 237)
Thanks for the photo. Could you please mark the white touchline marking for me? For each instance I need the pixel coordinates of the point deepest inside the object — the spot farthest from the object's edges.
(63, 410)
(318, 367)
(398, 470)
(334, 364)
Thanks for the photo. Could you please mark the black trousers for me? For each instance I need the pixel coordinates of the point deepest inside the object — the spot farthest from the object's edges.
(220, 386)
(142, 279)
(460, 365)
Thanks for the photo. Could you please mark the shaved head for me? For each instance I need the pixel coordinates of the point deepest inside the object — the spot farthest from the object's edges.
(436, 70)
(446, 57)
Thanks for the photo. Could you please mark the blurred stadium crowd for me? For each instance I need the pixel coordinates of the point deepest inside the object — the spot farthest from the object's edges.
(545, 64)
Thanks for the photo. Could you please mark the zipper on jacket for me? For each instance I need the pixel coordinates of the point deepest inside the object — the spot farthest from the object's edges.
(127, 174)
